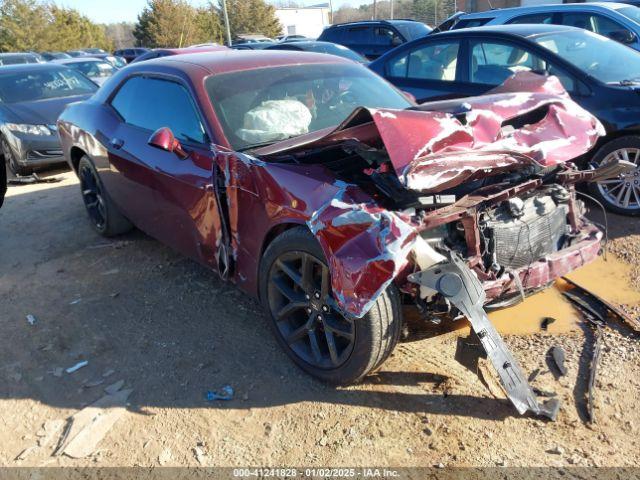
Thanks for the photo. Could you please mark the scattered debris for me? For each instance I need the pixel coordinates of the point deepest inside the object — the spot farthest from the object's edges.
(557, 450)
(544, 393)
(165, 456)
(31, 319)
(93, 383)
(597, 348)
(599, 306)
(533, 375)
(116, 245)
(87, 427)
(108, 373)
(115, 294)
(114, 387)
(200, 455)
(77, 366)
(546, 321)
(49, 430)
(26, 452)
(113, 271)
(75, 302)
(57, 372)
(31, 179)
(557, 354)
(459, 285)
(225, 393)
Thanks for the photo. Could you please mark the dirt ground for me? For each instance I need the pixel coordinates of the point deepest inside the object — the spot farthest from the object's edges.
(172, 331)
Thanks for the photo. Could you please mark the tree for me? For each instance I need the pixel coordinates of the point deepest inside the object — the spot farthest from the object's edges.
(24, 25)
(252, 16)
(120, 34)
(34, 25)
(175, 23)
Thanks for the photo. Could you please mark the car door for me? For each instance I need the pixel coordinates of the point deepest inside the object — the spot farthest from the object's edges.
(492, 61)
(172, 197)
(384, 39)
(428, 70)
(601, 24)
(359, 38)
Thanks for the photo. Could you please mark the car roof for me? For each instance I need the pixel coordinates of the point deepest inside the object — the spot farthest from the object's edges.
(64, 61)
(185, 50)
(520, 30)
(17, 54)
(374, 22)
(236, 60)
(304, 43)
(31, 67)
(541, 8)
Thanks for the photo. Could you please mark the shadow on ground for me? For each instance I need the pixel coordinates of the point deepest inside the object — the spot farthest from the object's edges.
(167, 326)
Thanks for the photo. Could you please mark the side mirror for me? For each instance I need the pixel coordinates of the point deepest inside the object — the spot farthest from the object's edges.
(164, 140)
(623, 36)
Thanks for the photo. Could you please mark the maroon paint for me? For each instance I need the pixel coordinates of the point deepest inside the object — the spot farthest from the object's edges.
(367, 247)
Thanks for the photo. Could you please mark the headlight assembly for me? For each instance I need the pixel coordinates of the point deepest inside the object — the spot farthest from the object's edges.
(29, 129)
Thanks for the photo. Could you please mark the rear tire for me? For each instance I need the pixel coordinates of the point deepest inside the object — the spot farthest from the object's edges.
(621, 195)
(373, 337)
(105, 217)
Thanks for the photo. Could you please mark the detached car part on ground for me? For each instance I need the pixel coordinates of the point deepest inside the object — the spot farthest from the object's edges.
(337, 228)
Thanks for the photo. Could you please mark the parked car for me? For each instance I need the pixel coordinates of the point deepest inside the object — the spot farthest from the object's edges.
(293, 38)
(129, 54)
(252, 45)
(618, 21)
(31, 98)
(167, 52)
(251, 38)
(48, 56)
(77, 53)
(115, 61)
(319, 47)
(376, 37)
(95, 51)
(17, 58)
(274, 169)
(601, 75)
(96, 69)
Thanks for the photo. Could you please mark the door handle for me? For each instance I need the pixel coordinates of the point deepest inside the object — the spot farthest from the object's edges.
(116, 143)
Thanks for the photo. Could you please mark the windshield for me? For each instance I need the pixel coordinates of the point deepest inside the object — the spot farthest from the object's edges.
(264, 105)
(412, 30)
(600, 57)
(630, 12)
(93, 69)
(29, 86)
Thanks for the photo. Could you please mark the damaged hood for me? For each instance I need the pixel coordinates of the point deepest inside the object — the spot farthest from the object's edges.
(528, 121)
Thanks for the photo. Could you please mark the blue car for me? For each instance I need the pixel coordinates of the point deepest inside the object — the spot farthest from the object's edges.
(619, 21)
(601, 75)
(372, 38)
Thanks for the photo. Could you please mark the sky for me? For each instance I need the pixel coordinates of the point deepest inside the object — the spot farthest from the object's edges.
(109, 11)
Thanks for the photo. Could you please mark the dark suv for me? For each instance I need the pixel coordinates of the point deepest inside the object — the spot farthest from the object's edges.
(375, 37)
(129, 54)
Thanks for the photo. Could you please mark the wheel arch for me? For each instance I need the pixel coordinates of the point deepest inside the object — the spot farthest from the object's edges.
(75, 154)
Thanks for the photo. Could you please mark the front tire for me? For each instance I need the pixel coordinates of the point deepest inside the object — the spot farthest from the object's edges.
(12, 161)
(620, 195)
(105, 217)
(295, 290)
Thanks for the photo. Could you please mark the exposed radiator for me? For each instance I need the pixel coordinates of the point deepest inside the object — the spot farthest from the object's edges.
(517, 242)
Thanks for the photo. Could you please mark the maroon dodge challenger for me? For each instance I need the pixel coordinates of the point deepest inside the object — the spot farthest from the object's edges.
(316, 186)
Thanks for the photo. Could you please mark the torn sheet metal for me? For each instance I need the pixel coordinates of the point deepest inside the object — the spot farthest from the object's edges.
(366, 246)
(456, 282)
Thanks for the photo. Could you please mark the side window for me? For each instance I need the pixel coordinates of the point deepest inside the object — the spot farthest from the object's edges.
(579, 20)
(605, 26)
(333, 34)
(385, 36)
(544, 18)
(427, 62)
(152, 103)
(492, 63)
(358, 35)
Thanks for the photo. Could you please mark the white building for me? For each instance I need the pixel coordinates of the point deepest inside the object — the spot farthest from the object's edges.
(307, 21)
